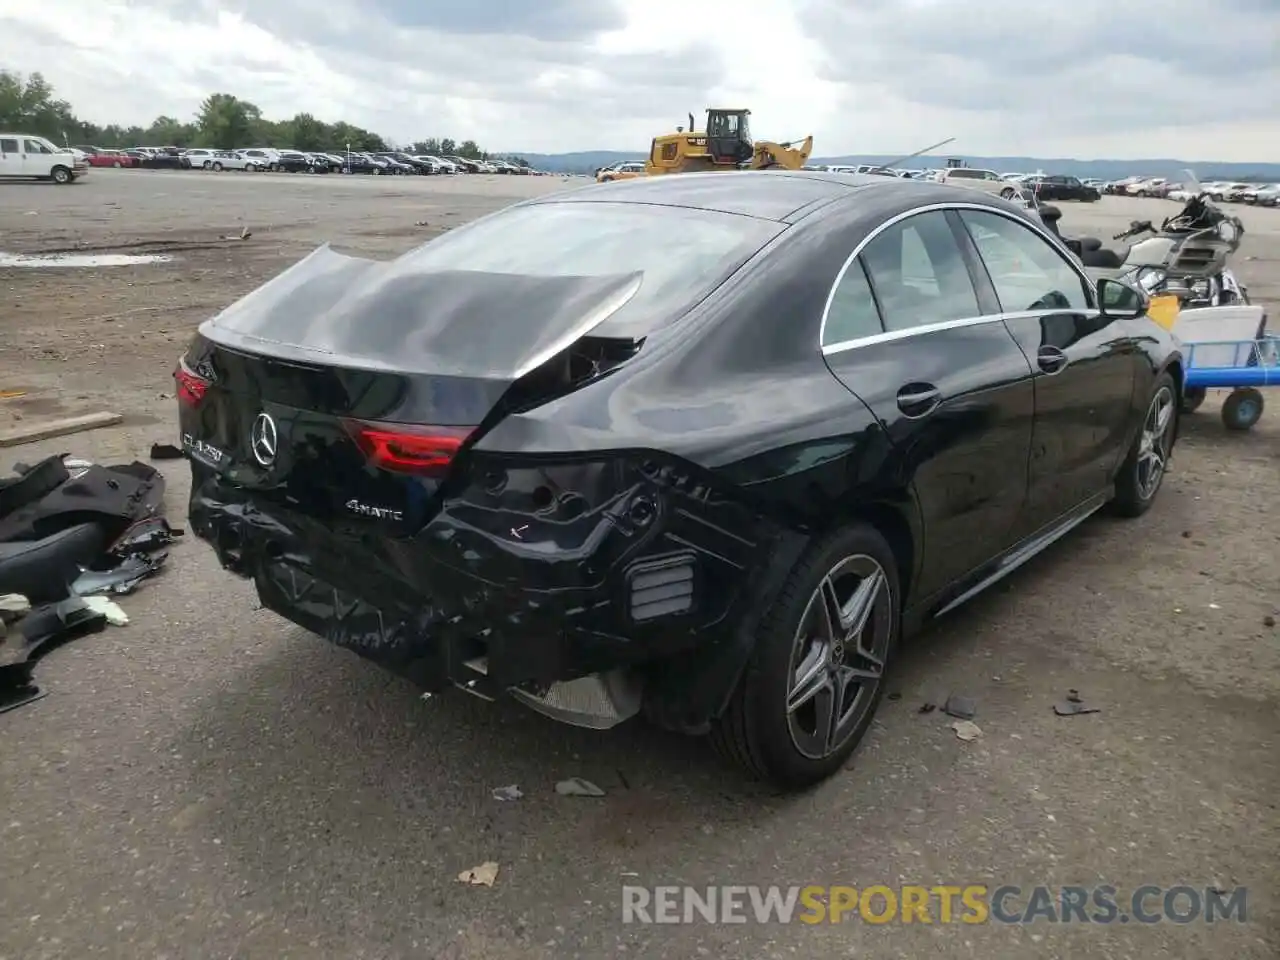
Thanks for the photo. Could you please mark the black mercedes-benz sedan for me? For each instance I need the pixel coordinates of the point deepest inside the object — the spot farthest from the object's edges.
(702, 447)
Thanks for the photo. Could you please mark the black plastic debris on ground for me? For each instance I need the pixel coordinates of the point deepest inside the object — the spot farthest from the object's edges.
(27, 640)
(59, 518)
(69, 528)
(165, 451)
(123, 578)
(145, 536)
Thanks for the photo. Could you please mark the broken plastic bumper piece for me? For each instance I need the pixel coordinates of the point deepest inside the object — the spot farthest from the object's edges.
(524, 578)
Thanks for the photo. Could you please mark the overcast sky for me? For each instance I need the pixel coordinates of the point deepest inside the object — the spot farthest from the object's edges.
(1086, 78)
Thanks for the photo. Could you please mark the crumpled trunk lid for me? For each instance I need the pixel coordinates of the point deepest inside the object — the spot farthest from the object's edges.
(343, 388)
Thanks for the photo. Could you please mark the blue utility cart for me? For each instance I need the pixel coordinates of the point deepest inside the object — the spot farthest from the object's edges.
(1243, 366)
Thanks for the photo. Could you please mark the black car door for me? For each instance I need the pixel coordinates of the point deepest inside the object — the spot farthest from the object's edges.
(905, 333)
(1083, 363)
(1072, 189)
(1053, 188)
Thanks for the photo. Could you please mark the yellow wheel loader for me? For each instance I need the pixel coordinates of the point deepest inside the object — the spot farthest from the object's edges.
(725, 144)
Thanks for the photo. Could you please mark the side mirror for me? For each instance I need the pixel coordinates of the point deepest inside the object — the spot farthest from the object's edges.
(1120, 301)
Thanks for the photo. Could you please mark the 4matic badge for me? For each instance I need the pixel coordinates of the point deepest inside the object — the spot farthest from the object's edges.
(378, 513)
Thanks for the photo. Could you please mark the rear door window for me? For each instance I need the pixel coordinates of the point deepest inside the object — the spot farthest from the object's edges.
(919, 274)
(9, 145)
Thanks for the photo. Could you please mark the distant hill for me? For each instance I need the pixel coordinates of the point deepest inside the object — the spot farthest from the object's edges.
(589, 161)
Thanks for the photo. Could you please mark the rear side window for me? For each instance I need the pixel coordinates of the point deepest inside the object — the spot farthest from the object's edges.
(681, 254)
(919, 274)
(852, 313)
(8, 145)
(965, 174)
(1026, 270)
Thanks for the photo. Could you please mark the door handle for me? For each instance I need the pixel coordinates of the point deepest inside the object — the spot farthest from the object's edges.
(918, 399)
(1051, 360)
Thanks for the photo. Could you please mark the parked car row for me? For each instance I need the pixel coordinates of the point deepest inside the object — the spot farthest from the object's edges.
(273, 160)
(1258, 194)
(1048, 187)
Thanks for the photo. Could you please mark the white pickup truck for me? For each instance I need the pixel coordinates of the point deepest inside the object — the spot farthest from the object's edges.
(31, 157)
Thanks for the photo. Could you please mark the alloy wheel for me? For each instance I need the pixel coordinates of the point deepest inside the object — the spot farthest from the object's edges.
(839, 655)
(1153, 446)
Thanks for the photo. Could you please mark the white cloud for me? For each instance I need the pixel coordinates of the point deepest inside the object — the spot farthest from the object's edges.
(1088, 79)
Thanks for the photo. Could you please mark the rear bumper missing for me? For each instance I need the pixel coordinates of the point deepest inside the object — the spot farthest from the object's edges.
(644, 565)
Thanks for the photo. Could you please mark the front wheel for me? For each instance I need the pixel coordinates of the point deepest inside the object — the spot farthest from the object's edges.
(1007, 193)
(810, 690)
(116, 164)
(1143, 470)
(377, 171)
(216, 167)
(60, 175)
(1242, 409)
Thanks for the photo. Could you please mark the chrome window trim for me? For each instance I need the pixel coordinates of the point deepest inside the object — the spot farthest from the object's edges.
(947, 324)
(892, 335)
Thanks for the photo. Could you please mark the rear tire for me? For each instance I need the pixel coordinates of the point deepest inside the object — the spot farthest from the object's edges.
(1242, 409)
(1192, 398)
(116, 164)
(809, 693)
(216, 168)
(207, 165)
(1144, 469)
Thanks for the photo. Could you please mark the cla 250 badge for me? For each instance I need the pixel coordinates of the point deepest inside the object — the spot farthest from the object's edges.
(378, 513)
(205, 452)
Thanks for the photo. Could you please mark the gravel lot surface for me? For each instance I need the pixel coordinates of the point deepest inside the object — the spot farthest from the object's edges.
(211, 781)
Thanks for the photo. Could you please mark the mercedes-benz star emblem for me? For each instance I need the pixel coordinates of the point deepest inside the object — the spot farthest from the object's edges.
(263, 440)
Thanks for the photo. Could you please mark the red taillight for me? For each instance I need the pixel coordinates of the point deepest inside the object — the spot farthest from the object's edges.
(191, 386)
(409, 448)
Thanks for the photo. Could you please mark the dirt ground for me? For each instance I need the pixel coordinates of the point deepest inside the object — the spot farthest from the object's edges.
(209, 781)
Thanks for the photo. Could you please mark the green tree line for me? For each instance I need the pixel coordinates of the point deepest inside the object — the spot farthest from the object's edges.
(224, 121)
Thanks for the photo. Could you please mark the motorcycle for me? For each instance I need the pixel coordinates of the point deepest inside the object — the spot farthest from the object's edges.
(1186, 257)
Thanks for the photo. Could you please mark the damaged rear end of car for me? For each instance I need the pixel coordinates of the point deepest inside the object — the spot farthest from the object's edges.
(337, 420)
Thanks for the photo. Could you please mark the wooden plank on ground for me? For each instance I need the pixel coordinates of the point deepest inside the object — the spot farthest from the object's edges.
(43, 430)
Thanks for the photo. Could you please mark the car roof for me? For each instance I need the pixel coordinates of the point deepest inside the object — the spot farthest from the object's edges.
(782, 195)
